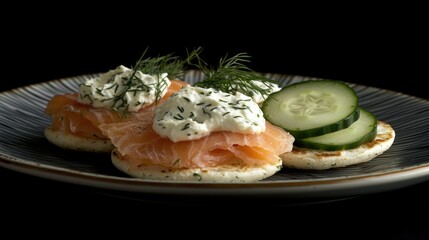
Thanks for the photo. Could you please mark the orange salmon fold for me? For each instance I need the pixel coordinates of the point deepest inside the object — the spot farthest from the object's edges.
(70, 116)
(141, 145)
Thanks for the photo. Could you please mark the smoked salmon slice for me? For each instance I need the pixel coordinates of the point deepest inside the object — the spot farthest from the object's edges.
(70, 116)
(141, 145)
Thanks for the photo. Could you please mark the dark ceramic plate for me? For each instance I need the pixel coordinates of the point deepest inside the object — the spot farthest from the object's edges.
(23, 148)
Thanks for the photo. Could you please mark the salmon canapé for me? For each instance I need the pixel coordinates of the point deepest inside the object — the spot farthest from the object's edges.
(140, 145)
(82, 120)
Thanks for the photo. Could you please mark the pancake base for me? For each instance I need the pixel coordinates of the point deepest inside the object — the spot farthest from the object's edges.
(224, 174)
(76, 143)
(304, 158)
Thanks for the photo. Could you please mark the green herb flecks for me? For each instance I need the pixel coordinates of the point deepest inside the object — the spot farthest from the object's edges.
(185, 127)
(197, 175)
(176, 162)
(132, 83)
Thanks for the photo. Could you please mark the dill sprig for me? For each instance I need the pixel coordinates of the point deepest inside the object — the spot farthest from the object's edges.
(232, 75)
(170, 64)
(174, 66)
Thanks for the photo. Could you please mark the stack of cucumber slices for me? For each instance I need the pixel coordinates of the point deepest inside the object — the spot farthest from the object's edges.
(321, 114)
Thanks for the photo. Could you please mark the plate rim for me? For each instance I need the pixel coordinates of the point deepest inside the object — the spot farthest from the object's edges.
(312, 188)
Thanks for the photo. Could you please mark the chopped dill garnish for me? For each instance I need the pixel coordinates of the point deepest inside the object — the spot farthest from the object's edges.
(185, 127)
(181, 109)
(178, 117)
(176, 162)
(198, 176)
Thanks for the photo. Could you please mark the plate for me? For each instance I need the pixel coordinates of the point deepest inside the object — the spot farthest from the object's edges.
(23, 148)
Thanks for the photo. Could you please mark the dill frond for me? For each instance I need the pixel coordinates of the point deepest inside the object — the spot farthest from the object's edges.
(232, 75)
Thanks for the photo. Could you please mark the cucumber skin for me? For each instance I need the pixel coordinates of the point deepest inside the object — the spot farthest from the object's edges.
(304, 143)
(345, 123)
(326, 147)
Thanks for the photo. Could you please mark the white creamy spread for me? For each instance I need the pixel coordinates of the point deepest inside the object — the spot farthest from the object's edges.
(123, 89)
(268, 87)
(195, 112)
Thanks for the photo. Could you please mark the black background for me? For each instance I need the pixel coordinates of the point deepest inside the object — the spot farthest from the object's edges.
(379, 46)
(386, 49)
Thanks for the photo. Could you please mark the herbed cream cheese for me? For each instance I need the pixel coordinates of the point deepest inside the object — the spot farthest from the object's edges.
(195, 112)
(123, 89)
(267, 87)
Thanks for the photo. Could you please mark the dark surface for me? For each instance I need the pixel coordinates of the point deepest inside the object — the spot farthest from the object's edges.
(395, 214)
(385, 56)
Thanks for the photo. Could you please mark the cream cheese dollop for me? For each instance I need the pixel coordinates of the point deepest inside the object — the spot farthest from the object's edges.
(195, 112)
(123, 89)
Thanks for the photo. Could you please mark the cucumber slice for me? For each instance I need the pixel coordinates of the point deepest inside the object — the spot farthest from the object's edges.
(362, 131)
(312, 108)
